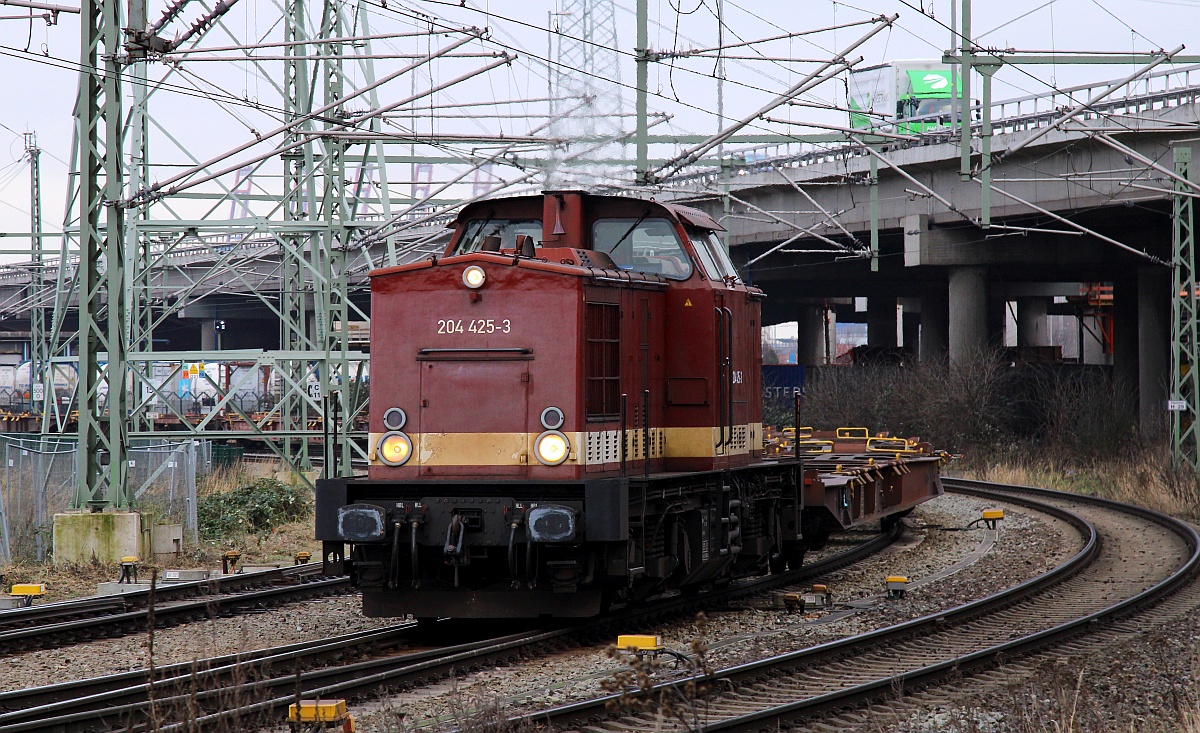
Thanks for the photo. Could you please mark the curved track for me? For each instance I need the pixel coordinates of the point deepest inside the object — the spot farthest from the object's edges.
(229, 691)
(1132, 558)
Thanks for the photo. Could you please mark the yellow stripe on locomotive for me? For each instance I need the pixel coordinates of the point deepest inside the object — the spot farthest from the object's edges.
(514, 449)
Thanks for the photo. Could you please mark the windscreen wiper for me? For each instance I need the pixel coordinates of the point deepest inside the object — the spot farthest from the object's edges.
(628, 231)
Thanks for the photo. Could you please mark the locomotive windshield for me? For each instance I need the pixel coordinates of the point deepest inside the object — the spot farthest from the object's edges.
(477, 231)
(644, 244)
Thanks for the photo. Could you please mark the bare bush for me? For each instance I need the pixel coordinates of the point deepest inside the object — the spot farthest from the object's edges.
(984, 406)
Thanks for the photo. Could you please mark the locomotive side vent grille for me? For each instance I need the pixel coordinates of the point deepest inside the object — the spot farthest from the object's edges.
(739, 438)
(633, 447)
(603, 447)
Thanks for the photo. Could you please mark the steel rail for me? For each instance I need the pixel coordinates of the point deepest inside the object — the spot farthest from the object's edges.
(73, 608)
(29, 703)
(99, 692)
(58, 633)
(883, 688)
(127, 704)
(16, 618)
(597, 709)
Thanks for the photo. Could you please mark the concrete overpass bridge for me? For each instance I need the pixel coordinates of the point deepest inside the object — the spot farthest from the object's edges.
(1090, 201)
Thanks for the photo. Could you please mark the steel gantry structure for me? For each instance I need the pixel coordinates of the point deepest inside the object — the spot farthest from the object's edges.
(315, 198)
(313, 206)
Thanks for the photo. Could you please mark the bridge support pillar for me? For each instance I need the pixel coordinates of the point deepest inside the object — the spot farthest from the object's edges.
(968, 312)
(1125, 335)
(1033, 323)
(935, 322)
(208, 334)
(810, 335)
(881, 322)
(910, 325)
(1154, 348)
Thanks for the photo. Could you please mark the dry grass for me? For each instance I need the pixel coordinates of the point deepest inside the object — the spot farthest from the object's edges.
(1146, 478)
(277, 546)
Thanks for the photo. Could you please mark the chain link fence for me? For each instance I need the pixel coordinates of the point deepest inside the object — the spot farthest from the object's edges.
(37, 481)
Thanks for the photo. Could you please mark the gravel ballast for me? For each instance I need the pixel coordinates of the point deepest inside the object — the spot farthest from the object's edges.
(1026, 545)
(305, 621)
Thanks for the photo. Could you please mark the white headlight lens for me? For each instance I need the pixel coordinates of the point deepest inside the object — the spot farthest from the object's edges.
(394, 419)
(552, 448)
(474, 276)
(395, 449)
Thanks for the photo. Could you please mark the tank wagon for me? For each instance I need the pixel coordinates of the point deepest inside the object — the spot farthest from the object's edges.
(566, 416)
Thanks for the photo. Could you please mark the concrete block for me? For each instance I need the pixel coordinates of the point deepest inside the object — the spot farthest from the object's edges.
(106, 536)
(166, 540)
(113, 588)
(188, 576)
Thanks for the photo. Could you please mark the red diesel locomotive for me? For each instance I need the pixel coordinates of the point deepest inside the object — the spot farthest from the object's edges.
(566, 415)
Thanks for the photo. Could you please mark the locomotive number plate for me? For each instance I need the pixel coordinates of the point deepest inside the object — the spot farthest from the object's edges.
(478, 325)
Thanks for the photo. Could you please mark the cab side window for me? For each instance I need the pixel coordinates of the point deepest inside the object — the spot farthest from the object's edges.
(644, 244)
(712, 254)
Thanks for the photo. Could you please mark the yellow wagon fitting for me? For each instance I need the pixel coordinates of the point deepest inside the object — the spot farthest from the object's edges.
(852, 434)
(814, 446)
(890, 445)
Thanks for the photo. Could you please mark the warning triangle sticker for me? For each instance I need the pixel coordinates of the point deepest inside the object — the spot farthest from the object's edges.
(687, 303)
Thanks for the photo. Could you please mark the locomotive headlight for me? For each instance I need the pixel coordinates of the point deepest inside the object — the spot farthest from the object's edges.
(552, 448)
(395, 449)
(552, 418)
(474, 276)
(394, 419)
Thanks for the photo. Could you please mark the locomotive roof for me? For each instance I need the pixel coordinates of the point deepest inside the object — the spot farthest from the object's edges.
(686, 214)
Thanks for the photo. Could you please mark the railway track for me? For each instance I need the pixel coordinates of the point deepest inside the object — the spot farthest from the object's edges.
(71, 622)
(1132, 558)
(239, 691)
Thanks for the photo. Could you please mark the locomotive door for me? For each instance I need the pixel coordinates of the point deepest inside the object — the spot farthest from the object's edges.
(639, 408)
(740, 377)
(474, 417)
(733, 378)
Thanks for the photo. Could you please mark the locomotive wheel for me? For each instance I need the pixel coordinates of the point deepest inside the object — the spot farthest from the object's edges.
(794, 554)
(817, 540)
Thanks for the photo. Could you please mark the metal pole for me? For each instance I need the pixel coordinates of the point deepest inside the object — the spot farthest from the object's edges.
(100, 104)
(642, 53)
(1185, 333)
(985, 147)
(37, 314)
(646, 432)
(965, 103)
(624, 434)
(874, 214)
(954, 95)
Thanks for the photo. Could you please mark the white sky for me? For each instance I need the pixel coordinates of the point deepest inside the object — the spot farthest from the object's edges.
(39, 86)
